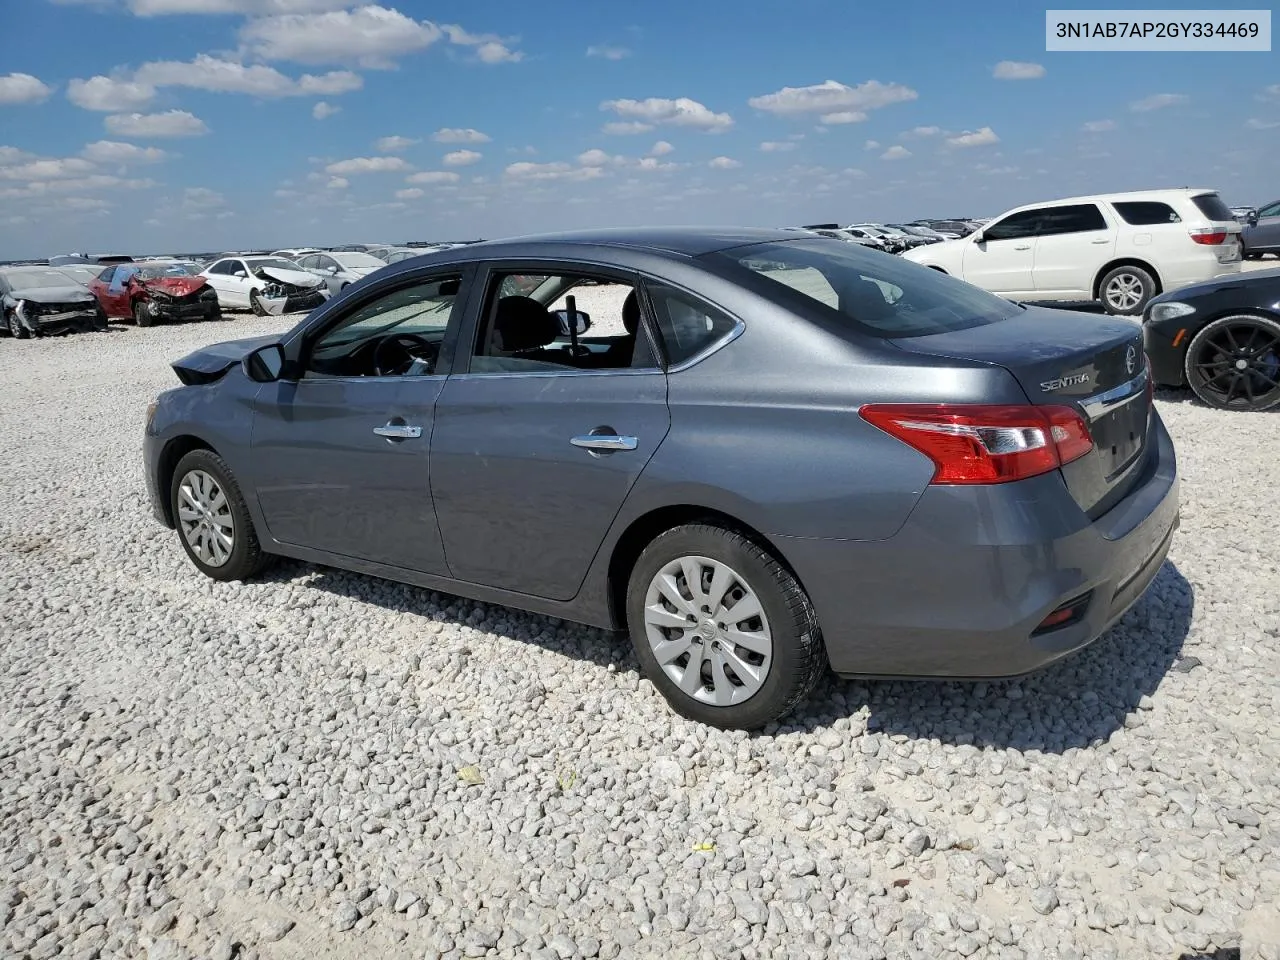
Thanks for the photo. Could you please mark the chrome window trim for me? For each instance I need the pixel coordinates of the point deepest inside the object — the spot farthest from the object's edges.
(1114, 398)
(567, 372)
(714, 346)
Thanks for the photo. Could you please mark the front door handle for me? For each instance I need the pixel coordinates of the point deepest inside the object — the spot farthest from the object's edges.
(398, 431)
(1023, 246)
(1103, 240)
(607, 442)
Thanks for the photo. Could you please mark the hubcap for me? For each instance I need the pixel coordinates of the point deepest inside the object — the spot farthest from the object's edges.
(708, 631)
(1239, 365)
(1124, 292)
(205, 517)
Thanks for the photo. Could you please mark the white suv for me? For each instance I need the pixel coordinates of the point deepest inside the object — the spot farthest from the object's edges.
(1119, 248)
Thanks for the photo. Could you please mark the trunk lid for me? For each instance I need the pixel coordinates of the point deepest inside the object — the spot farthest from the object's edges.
(1092, 363)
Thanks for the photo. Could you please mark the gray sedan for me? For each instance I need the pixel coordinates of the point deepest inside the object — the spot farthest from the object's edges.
(760, 453)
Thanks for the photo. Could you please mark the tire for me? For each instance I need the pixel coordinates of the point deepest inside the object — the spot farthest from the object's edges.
(1119, 287)
(102, 322)
(140, 315)
(256, 305)
(214, 314)
(208, 481)
(1212, 363)
(15, 327)
(790, 650)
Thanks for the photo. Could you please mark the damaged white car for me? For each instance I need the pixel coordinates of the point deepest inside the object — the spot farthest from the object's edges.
(265, 285)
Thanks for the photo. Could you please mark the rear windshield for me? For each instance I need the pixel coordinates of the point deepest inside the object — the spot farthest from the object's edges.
(1211, 205)
(882, 295)
(155, 271)
(1143, 213)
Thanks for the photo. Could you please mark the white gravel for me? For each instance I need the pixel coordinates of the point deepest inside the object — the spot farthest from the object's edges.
(322, 765)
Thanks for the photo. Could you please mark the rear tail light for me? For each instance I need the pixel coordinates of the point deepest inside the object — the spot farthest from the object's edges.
(985, 443)
(1209, 236)
(1072, 611)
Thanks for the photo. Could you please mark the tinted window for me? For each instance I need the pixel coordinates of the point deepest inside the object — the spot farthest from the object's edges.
(687, 325)
(876, 295)
(1211, 205)
(1270, 210)
(1014, 226)
(1077, 218)
(1143, 213)
(105, 275)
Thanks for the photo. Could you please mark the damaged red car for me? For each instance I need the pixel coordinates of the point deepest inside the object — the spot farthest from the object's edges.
(154, 292)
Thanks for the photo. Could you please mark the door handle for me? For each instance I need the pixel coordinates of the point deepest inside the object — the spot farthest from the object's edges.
(595, 441)
(1103, 240)
(398, 431)
(1023, 246)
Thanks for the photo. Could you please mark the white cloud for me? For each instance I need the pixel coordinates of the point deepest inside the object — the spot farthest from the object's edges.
(843, 116)
(460, 135)
(155, 8)
(551, 171)
(974, 138)
(596, 158)
(1270, 93)
(626, 127)
(896, 152)
(607, 52)
(323, 111)
(394, 144)
(371, 36)
(833, 99)
(723, 163)
(1253, 123)
(489, 48)
(202, 198)
(109, 95)
(145, 126)
(1158, 101)
(114, 152)
(228, 76)
(410, 193)
(653, 163)
(462, 158)
(10, 155)
(923, 132)
(338, 183)
(681, 112)
(660, 149)
(1017, 70)
(434, 176)
(47, 169)
(367, 165)
(1098, 126)
(871, 145)
(776, 146)
(23, 88)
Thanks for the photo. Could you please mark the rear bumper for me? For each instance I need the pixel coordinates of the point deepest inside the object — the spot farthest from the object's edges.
(1201, 267)
(959, 591)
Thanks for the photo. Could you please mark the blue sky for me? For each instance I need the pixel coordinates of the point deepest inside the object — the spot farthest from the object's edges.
(156, 125)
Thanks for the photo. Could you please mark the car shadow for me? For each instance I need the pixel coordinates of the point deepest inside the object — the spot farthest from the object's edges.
(1076, 703)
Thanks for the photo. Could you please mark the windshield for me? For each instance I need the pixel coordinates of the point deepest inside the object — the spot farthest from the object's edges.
(357, 261)
(275, 263)
(882, 296)
(154, 271)
(34, 279)
(80, 274)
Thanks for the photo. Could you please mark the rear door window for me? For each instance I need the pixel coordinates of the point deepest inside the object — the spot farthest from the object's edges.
(1211, 205)
(687, 324)
(1075, 218)
(1143, 213)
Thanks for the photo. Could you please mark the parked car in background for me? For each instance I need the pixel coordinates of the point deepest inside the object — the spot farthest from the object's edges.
(152, 292)
(340, 270)
(951, 229)
(81, 273)
(265, 285)
(1243, 214)
(924, 233)
(357, 247)
(886, 243)
(69, 258)
(901, 238)
(396, 254)
(1220, 338)
(839, 233)
(293, 253)
(993, 478)
(1261, 233)
(39, 300)
(1121, 249)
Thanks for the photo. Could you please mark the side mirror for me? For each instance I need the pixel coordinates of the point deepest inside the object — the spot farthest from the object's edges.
(265, 364)
(583, 323)
(240, 274)
(979, 236)
(1253, 218)
(331, 270)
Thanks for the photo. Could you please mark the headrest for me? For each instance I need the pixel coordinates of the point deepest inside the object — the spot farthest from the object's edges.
(522, 323)
(449, 288)
(631, 313)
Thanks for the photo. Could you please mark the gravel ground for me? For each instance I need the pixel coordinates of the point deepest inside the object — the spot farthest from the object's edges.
(323, 765)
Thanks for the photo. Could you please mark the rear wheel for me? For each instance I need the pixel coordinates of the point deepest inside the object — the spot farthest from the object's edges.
(721, 628)
(1127, 290)
(212, 520)
(141, 316)
(256, 305)
(1233, 363)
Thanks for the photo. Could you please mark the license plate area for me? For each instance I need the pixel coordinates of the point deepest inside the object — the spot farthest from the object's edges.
(1119, 435)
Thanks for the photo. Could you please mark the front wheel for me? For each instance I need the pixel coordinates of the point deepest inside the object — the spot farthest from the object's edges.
(16, 329)
(141, 315)
(212, 520)
(1233, 363)
(1127, 290)
(721, 628)
(256, 305)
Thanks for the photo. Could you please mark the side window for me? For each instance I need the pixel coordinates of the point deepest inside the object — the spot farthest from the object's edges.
(105, 275)
(1077, 218)
(305, 262)
(327, 263)
(121, 278)
(396, 334)
(1270, 210)
(687, 325)
(239, 268)
(527, 326)
(1142, 213)
(1014, 227)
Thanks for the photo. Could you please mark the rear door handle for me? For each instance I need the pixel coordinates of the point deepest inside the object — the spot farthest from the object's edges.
(1103, 240)
(398, 431)
(1024, 246)
(596, 441)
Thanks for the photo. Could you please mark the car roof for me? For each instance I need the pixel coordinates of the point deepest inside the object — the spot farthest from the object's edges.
(1122, 197)
(680, 241)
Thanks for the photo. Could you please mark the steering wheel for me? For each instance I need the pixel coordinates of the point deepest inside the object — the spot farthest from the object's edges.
(408, 347)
